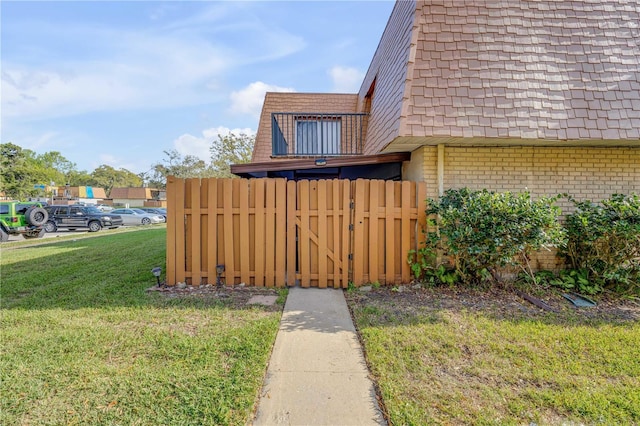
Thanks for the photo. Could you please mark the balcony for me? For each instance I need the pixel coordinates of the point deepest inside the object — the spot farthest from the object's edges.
(300, 134)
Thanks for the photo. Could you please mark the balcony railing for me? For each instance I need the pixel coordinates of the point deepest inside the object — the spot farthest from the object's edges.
(302, 134)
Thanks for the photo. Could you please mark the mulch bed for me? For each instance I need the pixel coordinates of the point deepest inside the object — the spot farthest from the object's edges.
(406, 300)
(501, 303)
(233, 296)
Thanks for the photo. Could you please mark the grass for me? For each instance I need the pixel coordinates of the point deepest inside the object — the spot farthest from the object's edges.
(83, 343)
(446, 365)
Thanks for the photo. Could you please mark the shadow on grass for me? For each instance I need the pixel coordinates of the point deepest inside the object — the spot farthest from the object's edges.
(110, 271)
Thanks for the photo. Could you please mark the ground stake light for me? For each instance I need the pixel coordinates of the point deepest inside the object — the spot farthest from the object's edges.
(156, 273)
(219, 271)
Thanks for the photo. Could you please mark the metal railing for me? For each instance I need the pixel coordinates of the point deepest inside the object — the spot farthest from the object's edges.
(312, 134)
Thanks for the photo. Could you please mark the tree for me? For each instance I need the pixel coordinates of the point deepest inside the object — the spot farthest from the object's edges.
(17, 177)
(56, 161)
(80, 178)
(230, 149)
(175, 164)
(107, 177)
(51, 167)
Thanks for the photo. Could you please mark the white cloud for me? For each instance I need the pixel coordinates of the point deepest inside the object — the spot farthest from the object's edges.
(120, 163)
(177, 64)
(146, 72)
(188, 144)
(345, 79)
(249, 100)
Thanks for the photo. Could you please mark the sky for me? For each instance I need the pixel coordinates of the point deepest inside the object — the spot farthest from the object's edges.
(119, 83)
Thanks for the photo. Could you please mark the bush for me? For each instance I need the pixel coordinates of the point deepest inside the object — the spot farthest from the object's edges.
(482, 231)
(604, 240)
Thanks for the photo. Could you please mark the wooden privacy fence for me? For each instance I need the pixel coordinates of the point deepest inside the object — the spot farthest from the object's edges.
(274, 232)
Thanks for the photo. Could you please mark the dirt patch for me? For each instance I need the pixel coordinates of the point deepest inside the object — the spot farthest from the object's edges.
(238, 297)
(408, 301)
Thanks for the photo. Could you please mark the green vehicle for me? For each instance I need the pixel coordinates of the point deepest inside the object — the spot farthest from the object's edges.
(24, 218)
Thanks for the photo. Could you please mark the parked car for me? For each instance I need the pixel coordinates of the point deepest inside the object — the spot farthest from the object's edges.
(137, 216)
(77, 216)
(24, 218)
(104, 207)
(155, 210)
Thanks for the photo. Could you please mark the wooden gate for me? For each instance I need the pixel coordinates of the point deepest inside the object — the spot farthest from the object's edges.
(273, 232)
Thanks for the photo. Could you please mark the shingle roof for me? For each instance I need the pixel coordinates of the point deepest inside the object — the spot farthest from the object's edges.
(550, 70)
(130, 193)
(544, 69)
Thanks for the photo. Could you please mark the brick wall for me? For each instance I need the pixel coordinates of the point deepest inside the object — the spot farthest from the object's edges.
(296, 102)
(586, 173)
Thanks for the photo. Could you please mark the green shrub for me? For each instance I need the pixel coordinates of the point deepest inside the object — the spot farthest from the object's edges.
(482, 231)
(604, 240)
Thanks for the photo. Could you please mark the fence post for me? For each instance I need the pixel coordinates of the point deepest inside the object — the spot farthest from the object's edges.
(281, 231)
(390, 242)
(292, 248)
(171, 231)
(245, 247)
(195, 231)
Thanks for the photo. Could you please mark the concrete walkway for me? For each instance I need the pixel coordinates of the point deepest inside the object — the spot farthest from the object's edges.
(317, 374)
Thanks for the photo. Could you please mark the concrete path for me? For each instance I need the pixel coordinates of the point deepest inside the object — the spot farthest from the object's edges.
(317, 374)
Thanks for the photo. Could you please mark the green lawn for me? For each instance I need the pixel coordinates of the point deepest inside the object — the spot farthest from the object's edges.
(446, 361)
(83, 343)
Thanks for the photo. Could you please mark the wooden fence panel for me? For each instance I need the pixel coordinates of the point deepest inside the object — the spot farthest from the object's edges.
(304, 241)
(171, 261)
(245, 245)
(180, 231)
(280, 232)
(229, 238)
(292, 237)
(258, 194)
(389, 230)
(323, 216)
(385, 229)
(211, 240)
(273, 232)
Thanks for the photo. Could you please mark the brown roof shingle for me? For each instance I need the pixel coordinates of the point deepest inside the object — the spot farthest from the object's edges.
(546, 70)
(130, 193)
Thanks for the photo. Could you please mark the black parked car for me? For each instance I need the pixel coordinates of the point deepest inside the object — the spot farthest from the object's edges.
(74, 217)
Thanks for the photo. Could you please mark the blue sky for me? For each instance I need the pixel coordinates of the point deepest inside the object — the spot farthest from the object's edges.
(118, 83)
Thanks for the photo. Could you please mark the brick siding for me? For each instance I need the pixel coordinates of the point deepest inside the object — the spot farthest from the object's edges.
(586, 173)
(296, 102)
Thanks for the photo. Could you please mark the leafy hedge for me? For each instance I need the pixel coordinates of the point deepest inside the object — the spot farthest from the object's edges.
(603, 244)
(481, 232)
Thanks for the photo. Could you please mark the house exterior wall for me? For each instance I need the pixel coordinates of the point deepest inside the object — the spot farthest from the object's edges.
(389, 70)
(414, 170)
(296, 102)
(132, 202)
(142, 193)
(546, 70)
(586, 173)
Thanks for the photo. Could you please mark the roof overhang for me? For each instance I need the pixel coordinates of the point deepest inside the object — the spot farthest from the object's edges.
(411, 143)
(314, 167)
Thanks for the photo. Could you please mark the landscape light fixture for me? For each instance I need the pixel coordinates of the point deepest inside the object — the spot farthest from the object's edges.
(219, 271)
(156, 273)
(321, 162)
